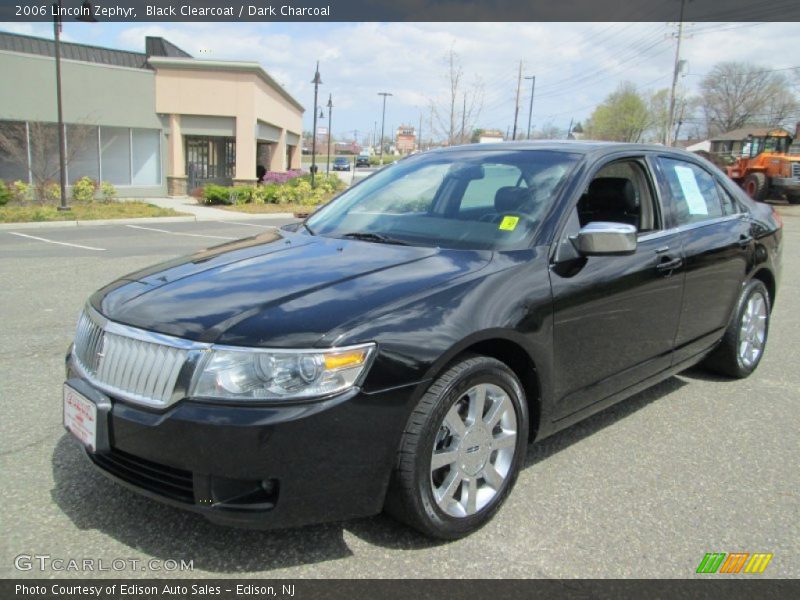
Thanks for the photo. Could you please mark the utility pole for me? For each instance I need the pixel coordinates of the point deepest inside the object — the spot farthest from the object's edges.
(330, 133)
(530, 108)
(676, 71)
(569, 130)
(516, 104)
(383, 121)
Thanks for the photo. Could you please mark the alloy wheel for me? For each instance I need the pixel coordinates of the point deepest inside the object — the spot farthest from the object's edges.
(473, 450)
(753, 330)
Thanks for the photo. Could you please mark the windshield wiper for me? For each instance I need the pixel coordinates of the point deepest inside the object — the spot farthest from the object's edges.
(374, 237)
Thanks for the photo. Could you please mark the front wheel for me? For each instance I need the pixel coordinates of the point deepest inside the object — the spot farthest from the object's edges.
(743, 344)
(461, 451)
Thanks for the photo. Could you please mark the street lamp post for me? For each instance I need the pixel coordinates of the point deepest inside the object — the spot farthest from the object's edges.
(316, 81)
(87, 15)
(383, 119)
(530, 108)
(330, 132)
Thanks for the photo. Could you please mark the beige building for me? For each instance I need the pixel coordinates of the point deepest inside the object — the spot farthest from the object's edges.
(225, 120)
(152, 123)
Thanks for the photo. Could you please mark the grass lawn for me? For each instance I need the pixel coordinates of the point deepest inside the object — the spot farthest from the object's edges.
(258, 209)
(84, 212)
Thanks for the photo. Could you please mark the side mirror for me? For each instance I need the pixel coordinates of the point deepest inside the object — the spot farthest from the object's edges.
(605, 239)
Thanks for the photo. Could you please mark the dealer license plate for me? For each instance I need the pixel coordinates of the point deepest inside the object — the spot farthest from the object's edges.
(80, 417)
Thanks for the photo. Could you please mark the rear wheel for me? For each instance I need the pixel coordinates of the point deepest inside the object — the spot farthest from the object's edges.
(756, 186)
(461, 451)
(793, 197)
(745, 339)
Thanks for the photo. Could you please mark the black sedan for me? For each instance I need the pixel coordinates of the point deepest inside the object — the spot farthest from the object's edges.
(400, 348)
(341, 163)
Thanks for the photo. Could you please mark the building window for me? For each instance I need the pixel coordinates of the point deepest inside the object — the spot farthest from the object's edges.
(14, 151)
(83, 153)
(146, 145)
(115, 155)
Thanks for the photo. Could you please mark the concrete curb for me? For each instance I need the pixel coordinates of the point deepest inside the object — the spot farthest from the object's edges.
(141, 220)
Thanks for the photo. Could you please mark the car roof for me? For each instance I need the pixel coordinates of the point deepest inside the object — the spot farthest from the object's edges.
(574, 146)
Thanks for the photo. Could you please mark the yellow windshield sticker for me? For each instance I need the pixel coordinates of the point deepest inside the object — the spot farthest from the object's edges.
(508, 223)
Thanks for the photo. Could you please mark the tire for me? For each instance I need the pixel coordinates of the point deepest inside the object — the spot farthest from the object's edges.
(743, 344)
(438, 502)
(756, 186)
(793, 198)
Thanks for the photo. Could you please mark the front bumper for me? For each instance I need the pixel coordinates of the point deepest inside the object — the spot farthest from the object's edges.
(258, 466)
(786, 184)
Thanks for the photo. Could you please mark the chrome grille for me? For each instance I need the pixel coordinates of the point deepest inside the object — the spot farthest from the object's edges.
(796, 170)
(135, 369)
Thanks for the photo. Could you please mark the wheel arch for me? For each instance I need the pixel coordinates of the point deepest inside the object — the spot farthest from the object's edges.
(512, 352)
(766, 277)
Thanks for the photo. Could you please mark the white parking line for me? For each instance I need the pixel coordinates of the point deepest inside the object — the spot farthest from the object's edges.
(247, 224)
(33, 237)
(216, 237)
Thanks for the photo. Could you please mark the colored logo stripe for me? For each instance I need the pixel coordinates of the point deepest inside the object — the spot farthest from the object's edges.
(733, 563)
(758, 563)
(711, 562)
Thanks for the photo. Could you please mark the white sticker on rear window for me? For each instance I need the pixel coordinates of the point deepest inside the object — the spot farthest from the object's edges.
(691, 191)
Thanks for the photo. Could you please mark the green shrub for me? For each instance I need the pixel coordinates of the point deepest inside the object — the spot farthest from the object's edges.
(84, 189)
(21, 191)
(216, 194)
(266, 194)
(108, 191)
(5, 193)
(52, 192)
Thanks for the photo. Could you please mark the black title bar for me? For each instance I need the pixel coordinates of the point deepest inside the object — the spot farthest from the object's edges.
(401, 10)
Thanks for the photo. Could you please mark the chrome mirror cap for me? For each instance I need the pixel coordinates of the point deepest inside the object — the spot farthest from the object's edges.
(601, 238)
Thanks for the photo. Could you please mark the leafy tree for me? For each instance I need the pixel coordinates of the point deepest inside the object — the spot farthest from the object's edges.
(736, 94)
(623, 116)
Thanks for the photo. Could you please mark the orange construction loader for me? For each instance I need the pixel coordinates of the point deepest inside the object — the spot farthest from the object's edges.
(769, 164)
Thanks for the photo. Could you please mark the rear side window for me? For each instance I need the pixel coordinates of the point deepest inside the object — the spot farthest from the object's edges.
(694, 192)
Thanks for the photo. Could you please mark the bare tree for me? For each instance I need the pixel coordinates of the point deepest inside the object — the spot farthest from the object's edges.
(737, 94)
(43, 151)
(454, 118)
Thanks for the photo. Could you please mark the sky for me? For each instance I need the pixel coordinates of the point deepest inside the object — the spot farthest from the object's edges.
(576, 64)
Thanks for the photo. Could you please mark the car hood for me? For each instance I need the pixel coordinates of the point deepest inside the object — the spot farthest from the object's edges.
(278, 289)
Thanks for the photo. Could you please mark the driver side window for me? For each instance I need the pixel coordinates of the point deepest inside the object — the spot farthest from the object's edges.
(620, 192)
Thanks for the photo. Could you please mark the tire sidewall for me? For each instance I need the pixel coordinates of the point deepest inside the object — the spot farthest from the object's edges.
(752, 287)
(484, 371)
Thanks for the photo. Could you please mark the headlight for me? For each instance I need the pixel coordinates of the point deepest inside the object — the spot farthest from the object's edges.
(251, 374)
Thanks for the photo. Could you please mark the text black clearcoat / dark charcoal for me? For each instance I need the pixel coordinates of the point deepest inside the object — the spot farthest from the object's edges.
(580, 335)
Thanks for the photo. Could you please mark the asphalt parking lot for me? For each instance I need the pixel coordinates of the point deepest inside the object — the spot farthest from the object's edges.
(696, 464)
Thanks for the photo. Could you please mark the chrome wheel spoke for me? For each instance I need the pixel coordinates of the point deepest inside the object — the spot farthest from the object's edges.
(753, 329)
(477, 402)
(469, 496)
(504, 440)
(496, 411)
(492, 477)
(454, 423)
(444, 494)
(443, 459)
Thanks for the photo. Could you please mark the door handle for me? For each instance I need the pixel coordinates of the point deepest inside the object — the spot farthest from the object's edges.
(670, 265)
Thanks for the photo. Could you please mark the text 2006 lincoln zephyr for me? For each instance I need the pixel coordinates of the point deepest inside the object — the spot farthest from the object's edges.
(400, 348)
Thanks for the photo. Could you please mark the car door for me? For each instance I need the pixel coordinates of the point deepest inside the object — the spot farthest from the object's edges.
(716, 241)
(614, 317)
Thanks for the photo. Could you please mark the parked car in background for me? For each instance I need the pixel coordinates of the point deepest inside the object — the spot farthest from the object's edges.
(341, 163)
(400, 348)
(362, 160)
